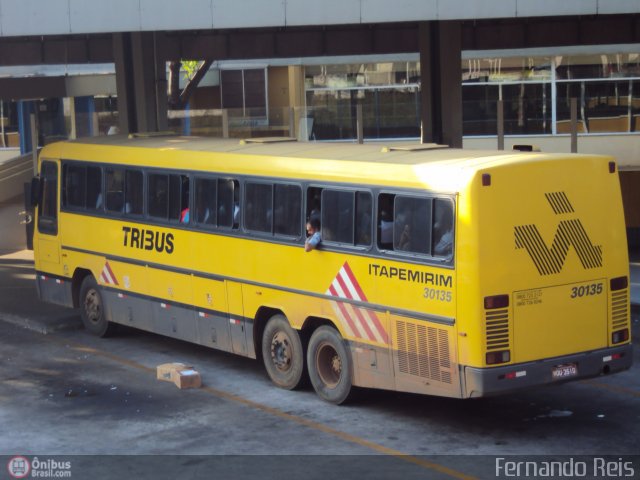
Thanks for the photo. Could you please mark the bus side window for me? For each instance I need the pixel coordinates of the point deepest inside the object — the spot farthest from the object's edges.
(385, 221)
(206, 211)
(442, 236)
(114, 201)
(412, 224)
(314, 202)
(258, 207)
(94, 188)
(364, 209)
(175, 198)
(179, 198)
(158, 195)
(134, 182)
(287, 201)
(228, 205)
(346, 217)
(75, 182)
(337, 216)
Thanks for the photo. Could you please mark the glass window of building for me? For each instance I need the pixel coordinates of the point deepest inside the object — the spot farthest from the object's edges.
(524, 86)
(537, 92)
(606, 88)
(244, 92)
(388, 92)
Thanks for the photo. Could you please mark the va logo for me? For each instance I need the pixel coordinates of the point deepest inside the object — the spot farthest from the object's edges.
(570, 233)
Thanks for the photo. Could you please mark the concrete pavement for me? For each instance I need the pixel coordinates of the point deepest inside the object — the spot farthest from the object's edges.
(19, 302)
(7, 154)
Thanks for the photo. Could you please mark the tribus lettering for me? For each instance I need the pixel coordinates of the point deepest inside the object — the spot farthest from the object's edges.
(148, 239)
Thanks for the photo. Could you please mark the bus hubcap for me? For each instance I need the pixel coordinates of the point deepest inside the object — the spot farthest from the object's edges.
(329, 365)
(92, 306)
(281, 351)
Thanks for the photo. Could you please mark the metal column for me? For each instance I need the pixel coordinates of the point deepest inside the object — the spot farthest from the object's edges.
(141, 82)
(441, 85)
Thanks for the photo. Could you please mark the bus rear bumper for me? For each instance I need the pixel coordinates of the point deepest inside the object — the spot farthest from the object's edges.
(480, 382)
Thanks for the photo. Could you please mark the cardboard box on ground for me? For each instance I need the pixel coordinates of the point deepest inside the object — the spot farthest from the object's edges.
(183, 376)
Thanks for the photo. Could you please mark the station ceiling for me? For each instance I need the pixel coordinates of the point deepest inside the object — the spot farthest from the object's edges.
(317, 41)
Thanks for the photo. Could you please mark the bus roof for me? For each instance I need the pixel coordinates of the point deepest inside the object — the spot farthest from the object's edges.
(402, 164)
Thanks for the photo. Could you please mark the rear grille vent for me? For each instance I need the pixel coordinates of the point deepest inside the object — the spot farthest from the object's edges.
(619, 310)
(424, 351)
(497, 330)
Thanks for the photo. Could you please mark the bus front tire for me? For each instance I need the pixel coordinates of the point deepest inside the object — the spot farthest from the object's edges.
(282, 353)
(329, 363)
(92, 309)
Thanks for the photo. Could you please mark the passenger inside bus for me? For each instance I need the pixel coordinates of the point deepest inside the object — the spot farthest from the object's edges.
(443, 229)
(184, 215)
(405, 238)
(313, 235)
(386, 229)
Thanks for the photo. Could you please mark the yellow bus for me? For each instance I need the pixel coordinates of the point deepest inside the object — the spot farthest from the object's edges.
(440, 271)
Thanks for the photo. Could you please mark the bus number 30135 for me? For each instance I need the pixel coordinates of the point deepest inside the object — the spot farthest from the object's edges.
(436, 294)
(586, 290)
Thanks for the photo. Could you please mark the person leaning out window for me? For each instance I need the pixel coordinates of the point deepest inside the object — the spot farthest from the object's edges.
(313, 235)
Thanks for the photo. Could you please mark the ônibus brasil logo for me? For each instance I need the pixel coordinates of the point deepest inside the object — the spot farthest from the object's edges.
(19, 467)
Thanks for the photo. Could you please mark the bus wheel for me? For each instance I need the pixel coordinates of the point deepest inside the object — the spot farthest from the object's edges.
(92, 309)
(282, 353)
(329, 365)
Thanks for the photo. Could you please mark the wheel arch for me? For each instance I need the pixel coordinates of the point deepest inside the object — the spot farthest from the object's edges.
(260, 320)
(311, 324)
(76, 282)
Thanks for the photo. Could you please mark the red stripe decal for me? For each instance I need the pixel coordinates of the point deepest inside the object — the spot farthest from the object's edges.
(345, 314)
(365, 324)
(361, 319)
(108, 267)
(355, 283)
(345, 289)
(378, 324)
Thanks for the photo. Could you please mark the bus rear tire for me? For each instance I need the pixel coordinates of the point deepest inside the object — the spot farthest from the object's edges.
(330, 367)
(92, 309)
(282, 353)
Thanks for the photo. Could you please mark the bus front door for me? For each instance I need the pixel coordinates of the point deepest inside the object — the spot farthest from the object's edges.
(50, 280)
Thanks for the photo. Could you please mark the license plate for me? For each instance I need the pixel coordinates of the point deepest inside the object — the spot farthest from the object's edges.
(564, 371)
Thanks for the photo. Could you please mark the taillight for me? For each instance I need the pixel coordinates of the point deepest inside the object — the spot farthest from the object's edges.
(494, 358)
(496, 301)
(620, 336)
(619, 283)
